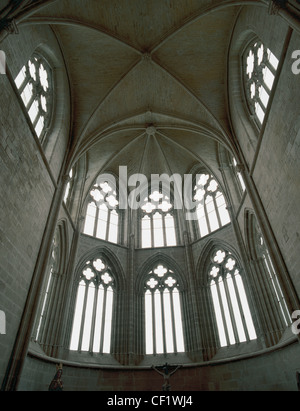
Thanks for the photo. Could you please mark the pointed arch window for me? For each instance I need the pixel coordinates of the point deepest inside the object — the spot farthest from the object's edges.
(163, 315)
(259, 70)
(230, 303)
(211, 208)
(271, 278)
(92, 322)
(102, 214)
(157, 222)
(34, 83)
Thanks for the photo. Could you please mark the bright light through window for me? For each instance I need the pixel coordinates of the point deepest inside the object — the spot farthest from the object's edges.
(102, 216)
(211, 208)
(231, 308)
(260, 66)
(92, 321)
(158, 223)
(163, 318)
(34, 83)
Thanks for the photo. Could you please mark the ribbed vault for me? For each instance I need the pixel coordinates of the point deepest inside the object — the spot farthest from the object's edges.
(139, 64)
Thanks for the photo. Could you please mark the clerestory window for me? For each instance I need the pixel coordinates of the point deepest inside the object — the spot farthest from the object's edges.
(102, 215)
(259, 70)
(163, 315)
(211, 209)
(92, 322)
(157, 222)
(34, 83)
(231, 308)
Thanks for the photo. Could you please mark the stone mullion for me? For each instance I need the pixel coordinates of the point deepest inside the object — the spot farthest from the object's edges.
(95, 305)
(206, 214)
(153, 321)
(140, 335)
(103, 319)
(83, 315)
(231, 310)
(173, 321)
(108, 224)
(96, 222)
(216, 209)
(164, 228)
(222, 312)
(163, 321)
(240, 306)
(152, 230)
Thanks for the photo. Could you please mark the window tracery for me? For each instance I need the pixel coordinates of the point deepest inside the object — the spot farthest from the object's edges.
(34, 83)
(231, 308)
(163, 316)
(259, 67)
(92, 321)
(211, 208)
(102, 215)
(157, 221)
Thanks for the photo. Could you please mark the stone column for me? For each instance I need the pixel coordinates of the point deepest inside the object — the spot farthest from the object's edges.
(192, 329)
(20, 349)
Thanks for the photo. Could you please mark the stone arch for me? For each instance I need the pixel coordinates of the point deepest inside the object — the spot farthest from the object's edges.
(159, 258)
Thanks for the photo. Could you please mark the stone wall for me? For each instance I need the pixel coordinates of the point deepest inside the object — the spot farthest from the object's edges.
(28, 182)
(273, 371)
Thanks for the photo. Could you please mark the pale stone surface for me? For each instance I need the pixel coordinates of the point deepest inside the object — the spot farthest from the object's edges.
(155, 86)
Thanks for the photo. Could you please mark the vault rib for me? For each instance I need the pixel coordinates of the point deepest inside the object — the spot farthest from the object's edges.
(111, 128)
(100, 136)
(190, 92)
(202, 13)
(181, 147)
(76, 23)
(115, 155)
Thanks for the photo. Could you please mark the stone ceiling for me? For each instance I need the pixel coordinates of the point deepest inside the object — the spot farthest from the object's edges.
(148, 80)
